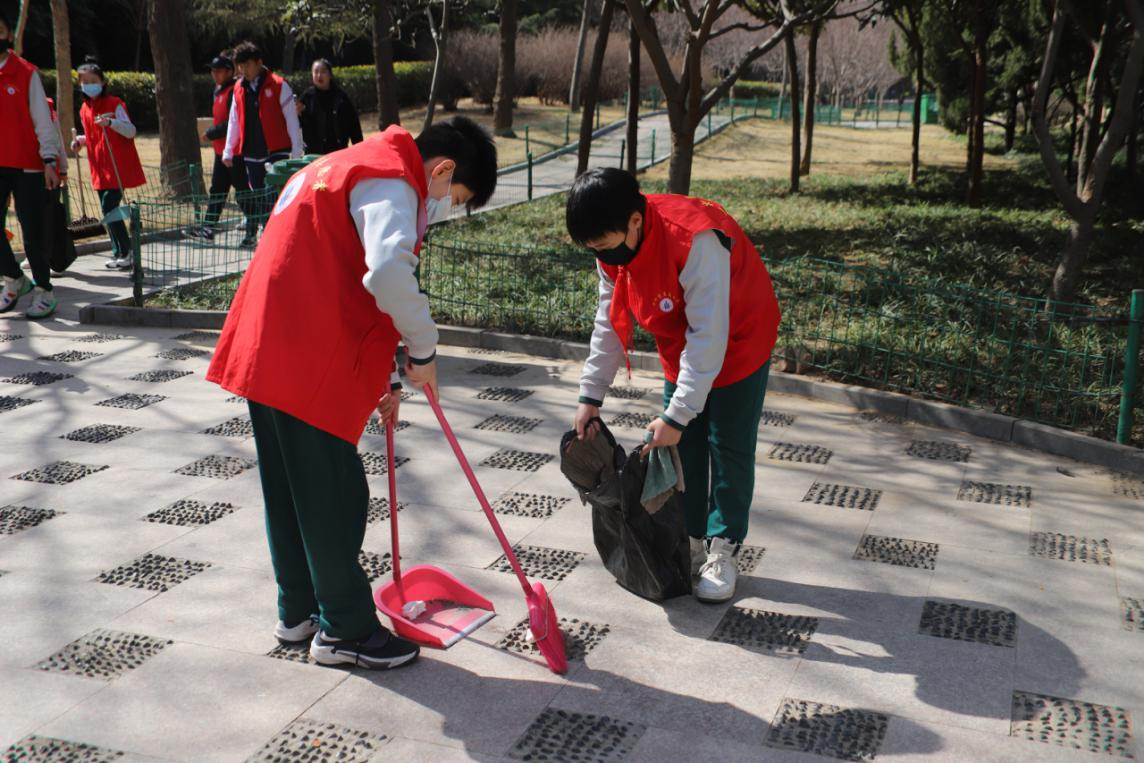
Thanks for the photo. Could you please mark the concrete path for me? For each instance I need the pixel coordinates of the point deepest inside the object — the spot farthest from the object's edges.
(907, 593)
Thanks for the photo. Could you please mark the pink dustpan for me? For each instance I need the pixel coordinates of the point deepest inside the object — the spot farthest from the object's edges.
(425, 603)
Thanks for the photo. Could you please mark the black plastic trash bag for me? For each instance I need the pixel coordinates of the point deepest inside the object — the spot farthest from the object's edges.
(649, 554)
(57, 239)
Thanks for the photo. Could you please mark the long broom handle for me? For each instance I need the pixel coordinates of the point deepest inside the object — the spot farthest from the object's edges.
(114, 164)
(468, 470)
(390, 472)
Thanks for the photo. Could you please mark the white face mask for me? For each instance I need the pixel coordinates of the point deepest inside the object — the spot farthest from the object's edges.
(437, 210)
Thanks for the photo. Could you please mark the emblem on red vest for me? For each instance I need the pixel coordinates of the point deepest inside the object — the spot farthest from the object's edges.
(665, 302)
(289, 192)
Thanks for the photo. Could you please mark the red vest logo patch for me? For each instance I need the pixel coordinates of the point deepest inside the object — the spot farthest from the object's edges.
(11, 90)
(665, 302)
(267, 93)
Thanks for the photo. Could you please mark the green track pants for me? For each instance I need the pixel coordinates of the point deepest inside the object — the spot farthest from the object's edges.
(316, 497)
(718, 454)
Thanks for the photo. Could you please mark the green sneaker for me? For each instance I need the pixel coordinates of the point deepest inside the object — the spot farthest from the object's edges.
(14, 288)
(43, 304)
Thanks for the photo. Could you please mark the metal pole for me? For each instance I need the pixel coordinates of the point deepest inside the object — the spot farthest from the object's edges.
(567, 125)
(527, 148)
(597, 115)
(136, 256)
(623, 146)
(1131, 367)
(530, 177)
(708, 124)
(653, 145)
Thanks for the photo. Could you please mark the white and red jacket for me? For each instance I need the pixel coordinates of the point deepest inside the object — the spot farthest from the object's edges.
(313, 246)
(713, 325)
(276, 113)
(27, 133)
(111, 153)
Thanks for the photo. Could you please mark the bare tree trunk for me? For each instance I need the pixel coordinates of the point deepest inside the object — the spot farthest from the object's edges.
(682, 157)
(65, 90)
(506, 71)
(140, 32)
(438, 59)
(633, 116)
(578, 62)
(1082, 202)
(289, 49)
(795, 118)
(592, 87)
(811, 94)
(919, 85)
(1093, 103)
(1132, 154)
(174, 92)
(21, 26)
(1070, 167)
(388, 112)
(977, 124)
(1010, 119)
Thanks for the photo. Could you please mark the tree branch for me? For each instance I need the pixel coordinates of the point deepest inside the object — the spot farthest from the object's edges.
(742, 25)
(1068, 197)
(1122, 113)
(654, 47)
(712, 97)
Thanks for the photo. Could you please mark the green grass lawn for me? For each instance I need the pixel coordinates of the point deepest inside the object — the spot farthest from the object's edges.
(1010, 245)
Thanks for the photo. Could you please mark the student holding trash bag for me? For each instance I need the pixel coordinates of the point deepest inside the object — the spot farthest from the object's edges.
(30, 155)
(335, 271)
(109, 137)
(685, 271)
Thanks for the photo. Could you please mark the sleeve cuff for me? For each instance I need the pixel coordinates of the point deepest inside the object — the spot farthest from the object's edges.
(591, 401)
(423, 361)
(672, 422)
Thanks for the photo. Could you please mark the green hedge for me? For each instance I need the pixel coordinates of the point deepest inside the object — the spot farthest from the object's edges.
(137, 89)
(752, 89)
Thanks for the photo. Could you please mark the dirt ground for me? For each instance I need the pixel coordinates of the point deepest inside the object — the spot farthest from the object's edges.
(761, 148)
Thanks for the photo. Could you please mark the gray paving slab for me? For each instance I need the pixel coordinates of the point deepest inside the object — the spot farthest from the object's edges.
(861, 544)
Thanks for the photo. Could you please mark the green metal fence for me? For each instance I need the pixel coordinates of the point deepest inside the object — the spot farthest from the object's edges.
(1060, 364)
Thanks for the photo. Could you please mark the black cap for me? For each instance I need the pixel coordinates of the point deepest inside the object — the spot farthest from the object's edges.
(222, 62)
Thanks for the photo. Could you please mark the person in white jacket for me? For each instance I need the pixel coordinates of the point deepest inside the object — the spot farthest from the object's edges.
(263, 128)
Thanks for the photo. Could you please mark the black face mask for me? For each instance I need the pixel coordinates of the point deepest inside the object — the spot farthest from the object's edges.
(619, 256)
(5, 46)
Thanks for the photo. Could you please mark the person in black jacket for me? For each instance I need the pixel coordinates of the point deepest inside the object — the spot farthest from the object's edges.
(329, 120)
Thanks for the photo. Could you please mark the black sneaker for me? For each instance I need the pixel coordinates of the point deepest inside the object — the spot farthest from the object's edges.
(249, 242)
(381, 651)
(204, 232)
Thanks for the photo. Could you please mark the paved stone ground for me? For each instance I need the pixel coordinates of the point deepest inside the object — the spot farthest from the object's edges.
(908, 593)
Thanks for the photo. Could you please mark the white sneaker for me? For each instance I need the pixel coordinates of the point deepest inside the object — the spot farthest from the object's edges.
(698, 554)
(718, 574)
(303, 631)
(123, 263)
(14, 288)
(43, 304)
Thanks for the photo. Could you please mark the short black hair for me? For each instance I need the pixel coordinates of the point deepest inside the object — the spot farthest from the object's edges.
(471, 147)
(602, 201)
(247, 51)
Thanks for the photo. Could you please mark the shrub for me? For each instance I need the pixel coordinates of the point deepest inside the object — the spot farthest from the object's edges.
(754, 89)
(137, 89)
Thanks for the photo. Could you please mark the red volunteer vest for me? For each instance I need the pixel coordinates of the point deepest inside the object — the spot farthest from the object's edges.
(303, 334)
(269, 114)
(220, 113)
(648, 288)
(107, 150)
(19, 146)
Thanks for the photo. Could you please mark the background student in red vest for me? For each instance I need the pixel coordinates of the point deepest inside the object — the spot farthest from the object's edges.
(30, 152)
(109, 137)
(684, 269)
(335, 272)
(263, 126)
(223, 178)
